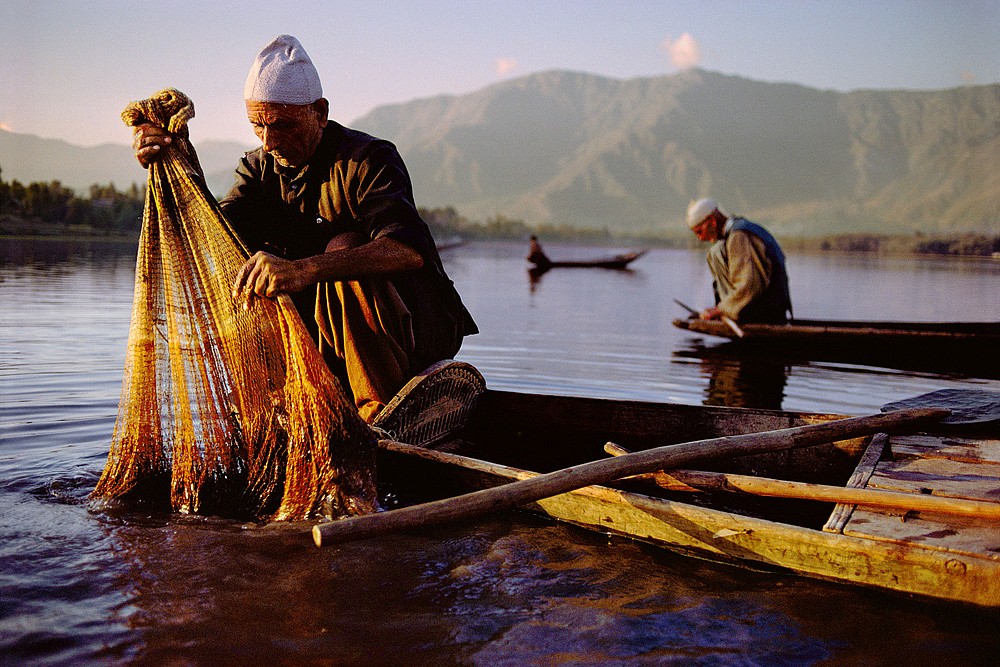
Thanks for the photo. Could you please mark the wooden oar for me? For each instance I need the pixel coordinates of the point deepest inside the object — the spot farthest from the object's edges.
(725, 318)
(517, 493)
(732, 325)
(686, 307)
(699, 480)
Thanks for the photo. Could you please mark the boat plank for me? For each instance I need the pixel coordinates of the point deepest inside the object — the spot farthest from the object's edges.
(943, 466)
(939, 477)
(957, 535)
(733, 538)
(859, 479)
(969, 450)
(738, 539)
(947, 558)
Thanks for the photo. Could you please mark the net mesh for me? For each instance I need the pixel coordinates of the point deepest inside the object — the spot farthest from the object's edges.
(224, 409)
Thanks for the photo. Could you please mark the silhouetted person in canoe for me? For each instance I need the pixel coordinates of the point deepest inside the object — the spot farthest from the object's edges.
(537, 256)
(542, 262)
(747, 265)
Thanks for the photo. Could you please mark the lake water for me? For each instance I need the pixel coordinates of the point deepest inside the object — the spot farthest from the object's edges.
(86, 588)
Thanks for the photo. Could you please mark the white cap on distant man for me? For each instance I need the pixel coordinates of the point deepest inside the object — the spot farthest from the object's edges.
(701, 209)
(283, 73)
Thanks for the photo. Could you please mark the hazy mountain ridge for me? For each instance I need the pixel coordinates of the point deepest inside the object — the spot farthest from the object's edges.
(577, 149)
(28, 159)
(584, 150)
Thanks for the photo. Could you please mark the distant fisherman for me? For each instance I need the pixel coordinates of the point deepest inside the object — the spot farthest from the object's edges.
(536, 255)
(747, 264)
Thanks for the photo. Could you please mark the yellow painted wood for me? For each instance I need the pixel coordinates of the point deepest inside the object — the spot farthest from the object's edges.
(600, 471)
(841, 514)
(910, 568)
(939, 477)
(901, 501)
(726, 537)
(954, 534)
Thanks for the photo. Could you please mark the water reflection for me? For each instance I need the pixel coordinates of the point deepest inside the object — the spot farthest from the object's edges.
(15, 253)
(743, 381)
(959, 357)
(535, 274)
(511, 589)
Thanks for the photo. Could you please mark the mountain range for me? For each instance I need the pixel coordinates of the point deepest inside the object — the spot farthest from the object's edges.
(580, 150)
(28, 159)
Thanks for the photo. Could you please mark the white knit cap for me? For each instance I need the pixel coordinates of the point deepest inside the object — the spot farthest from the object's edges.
(283, 73)
(701, 209)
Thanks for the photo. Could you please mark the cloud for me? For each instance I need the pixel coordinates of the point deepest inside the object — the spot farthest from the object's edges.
(684, 51)
(504, 66)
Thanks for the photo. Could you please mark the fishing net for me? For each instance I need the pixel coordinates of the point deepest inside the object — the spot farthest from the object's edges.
(224, 409)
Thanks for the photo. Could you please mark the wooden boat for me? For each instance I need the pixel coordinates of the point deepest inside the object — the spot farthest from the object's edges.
(449, 243)
(542, 262)
(827, 332)
(620, 261)
(515, 436)
(968, 347)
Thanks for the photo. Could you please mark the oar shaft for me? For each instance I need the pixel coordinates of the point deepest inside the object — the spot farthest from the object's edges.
(511, 495)
(725, 318)
(732, 325)
(700, 480)
(686, 307)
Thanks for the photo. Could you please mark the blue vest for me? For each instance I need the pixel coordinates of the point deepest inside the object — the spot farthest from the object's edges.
(774, 305)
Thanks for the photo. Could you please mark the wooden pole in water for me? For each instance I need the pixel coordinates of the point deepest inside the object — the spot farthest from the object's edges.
(517, 493)
(732, 325)
(699, 480)
(725, 318)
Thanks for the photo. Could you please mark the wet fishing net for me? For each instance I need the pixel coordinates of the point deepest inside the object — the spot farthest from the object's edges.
(224, 409)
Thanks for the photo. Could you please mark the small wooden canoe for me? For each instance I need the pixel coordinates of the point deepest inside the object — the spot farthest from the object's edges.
(614, 262)
(542, 262)
(514, 436)
(968, 347)
(824, 332)
(449, 243)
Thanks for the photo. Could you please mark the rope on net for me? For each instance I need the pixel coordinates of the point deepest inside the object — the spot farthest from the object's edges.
(224, 409)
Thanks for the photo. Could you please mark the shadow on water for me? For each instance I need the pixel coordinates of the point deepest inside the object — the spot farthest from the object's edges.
(510, 589)
(950, 360)
(535, 273)
(53, 252)
(744, 382)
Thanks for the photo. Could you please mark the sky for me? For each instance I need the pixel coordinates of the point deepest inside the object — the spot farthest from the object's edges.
(68, 68)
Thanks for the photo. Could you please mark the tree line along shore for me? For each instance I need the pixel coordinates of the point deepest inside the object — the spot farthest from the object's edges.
(51, 210)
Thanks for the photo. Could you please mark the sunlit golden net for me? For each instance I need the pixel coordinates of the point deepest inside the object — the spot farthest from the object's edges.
(226, 409)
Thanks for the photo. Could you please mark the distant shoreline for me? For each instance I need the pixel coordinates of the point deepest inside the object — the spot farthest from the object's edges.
(15, 228)
(965, 246)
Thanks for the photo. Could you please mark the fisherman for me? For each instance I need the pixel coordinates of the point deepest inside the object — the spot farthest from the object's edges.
(747, 264)
(323, 206)
(536, 255)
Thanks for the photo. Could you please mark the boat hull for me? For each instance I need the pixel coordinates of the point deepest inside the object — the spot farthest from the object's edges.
(512, 427)
(617, 262)
(965, 347)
